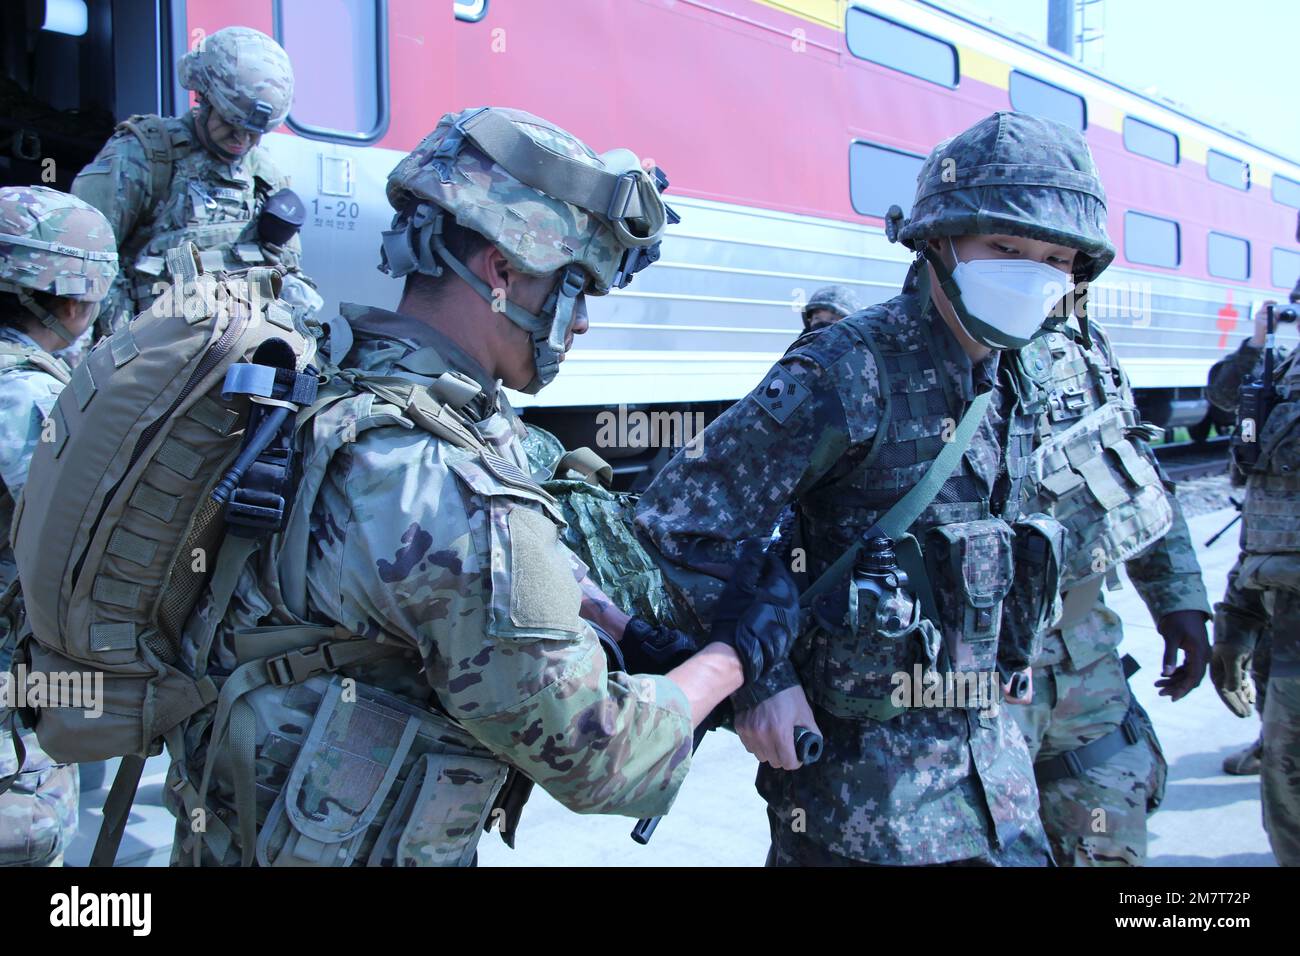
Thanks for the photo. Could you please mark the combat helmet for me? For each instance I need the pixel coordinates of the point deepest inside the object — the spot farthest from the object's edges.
(1013, 174)
(833, 298)
(55, 243)
(543, 198)
(244, 75)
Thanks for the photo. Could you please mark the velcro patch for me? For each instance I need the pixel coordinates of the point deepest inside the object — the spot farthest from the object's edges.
(780, 394)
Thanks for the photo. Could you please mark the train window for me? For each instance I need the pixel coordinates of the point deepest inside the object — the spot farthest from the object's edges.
(471, 11)
(875, 38)
(1228, 257)
(1029, 94)
(1228, 170)
(1150, 141)
(339, 50)
(1151, 240)
(1286, 191)
(879, 177)
(1286, 268)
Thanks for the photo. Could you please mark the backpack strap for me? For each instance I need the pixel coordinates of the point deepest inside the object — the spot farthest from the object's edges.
(160, 150)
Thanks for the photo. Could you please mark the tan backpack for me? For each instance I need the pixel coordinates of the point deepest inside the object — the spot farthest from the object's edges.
(116, 532)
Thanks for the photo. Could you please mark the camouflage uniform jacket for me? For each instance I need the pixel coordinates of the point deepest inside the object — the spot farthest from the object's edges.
(38, 817)
(27, 395)
(208, 201)
(1167, 575)
(930, 785)
(453, 558)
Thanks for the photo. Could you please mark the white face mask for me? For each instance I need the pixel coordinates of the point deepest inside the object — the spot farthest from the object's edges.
(1004, 302)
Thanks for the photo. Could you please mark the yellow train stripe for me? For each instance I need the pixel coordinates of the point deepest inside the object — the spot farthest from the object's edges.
(827, 13)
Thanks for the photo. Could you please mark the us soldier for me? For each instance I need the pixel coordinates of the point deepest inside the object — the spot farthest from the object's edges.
(57, 261)
(437, 545)
(1269, 458)
(203, 177)
(1243, 638)
(1098, 762)
(845, 426)
(827, 306)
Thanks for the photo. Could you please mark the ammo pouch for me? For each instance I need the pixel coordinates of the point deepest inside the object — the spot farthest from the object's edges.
(859, 643)
(1035, 599)
(970, 569)
(373, 782)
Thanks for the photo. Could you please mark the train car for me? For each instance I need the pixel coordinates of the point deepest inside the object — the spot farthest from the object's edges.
(787, 129)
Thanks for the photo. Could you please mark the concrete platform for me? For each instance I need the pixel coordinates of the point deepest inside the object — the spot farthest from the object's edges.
(1208, 818)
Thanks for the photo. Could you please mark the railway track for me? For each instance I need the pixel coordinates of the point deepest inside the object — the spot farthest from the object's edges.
(1186, 460)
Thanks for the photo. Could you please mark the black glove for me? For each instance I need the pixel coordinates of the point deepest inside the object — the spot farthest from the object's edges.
(653, 650)
(758, 612)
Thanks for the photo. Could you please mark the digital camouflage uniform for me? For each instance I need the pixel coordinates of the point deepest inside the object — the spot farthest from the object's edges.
(1113, 505)
(1240, 618)
(895, 784)
(433, 543)
(159, 185)
(38, 813)
(1270, 566)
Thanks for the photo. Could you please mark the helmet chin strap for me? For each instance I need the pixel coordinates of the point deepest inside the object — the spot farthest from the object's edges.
(48, 318)
(201, 128)
(549, 328)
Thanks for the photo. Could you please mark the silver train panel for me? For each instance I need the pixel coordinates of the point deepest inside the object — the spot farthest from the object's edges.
(723, 302)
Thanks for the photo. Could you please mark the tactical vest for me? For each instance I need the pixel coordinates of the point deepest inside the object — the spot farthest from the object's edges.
(195, 197)
(387, 778)
(964, 531)
(1089, 473)
(1270, 516)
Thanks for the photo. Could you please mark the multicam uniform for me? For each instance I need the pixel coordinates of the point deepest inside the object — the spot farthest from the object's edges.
(51, 243)
(417, 526)
(38, 816)
(451, 559)
(159, 185)
(1100, 480)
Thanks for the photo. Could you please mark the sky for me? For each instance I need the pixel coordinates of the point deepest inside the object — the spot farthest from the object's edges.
(1234, 64)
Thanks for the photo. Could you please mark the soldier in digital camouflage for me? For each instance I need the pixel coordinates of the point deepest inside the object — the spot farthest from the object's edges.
(1243, 638)
(57, 261)
(1098, 762)
(417, 528)
(202, 177)
(827, 306)
(850, 427)
(1266, 580)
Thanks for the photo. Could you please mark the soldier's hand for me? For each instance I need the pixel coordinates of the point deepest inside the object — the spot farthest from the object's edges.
(1230, 673)
(1185, 631)
(767, 729)
(757, 613)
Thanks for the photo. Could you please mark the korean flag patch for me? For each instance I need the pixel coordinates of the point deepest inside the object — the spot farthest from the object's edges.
(780, 394)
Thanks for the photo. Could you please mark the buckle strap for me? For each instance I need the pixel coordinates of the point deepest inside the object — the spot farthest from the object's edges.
(1092, 754)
